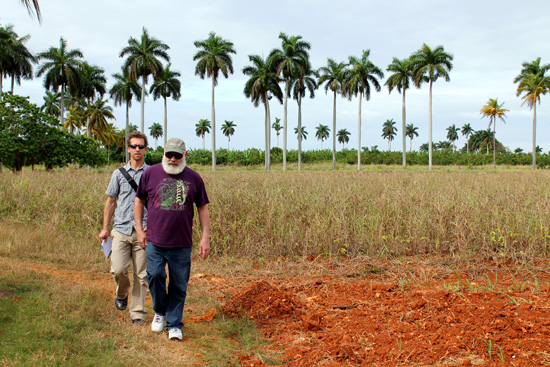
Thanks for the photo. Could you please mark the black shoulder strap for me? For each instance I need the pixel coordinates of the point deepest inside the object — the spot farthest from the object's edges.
(128, 178)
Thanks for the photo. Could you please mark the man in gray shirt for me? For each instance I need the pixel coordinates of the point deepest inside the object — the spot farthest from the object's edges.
(119, 208)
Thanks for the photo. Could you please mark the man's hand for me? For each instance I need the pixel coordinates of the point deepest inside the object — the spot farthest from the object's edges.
(103, 234)
(204, 248)
(142, 239)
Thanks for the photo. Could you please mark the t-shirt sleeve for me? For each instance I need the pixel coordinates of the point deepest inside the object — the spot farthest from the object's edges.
(114, 188)
(141, 193)
(201, 198)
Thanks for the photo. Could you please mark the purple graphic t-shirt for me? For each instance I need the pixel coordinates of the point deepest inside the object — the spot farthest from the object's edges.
(170, 208)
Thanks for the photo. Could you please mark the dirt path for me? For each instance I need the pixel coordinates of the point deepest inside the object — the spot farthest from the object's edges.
(472, 318)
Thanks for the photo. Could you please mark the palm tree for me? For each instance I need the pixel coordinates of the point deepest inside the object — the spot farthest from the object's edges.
(15, 59)
(30, 4)
(202, 128)
(343, 136)
(322, 133)
(301, 133)
(302, 82)
(429, 65)
(389, 131)
(143, 61)
(411, 132)
(332, 76)
(75, 119)
(92, 83)
(51, 103)
(123, 91)
(452, 135)
(493, 110)
(98, 114)
(262, 85)
(289, 61)
(156, 132)
(400, 80)
(277, 127)
(533, 83)
(228, 129)
(166, 85)
(480, 139)
(61, 69)
(358, 80)
(467, 131)
(214, 56)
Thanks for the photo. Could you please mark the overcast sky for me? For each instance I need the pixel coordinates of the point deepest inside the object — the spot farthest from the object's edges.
(489, 40)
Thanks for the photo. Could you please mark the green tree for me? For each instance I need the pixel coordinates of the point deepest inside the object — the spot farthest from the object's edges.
(302, 82)
(98, 114)
(61, 68)
(301, 133)
(401, 80)
(143, 61)
(518, 150)
(155, 130)
(332, 76)
(361, 77)
(493, 110)
(262, 85)
(289, 61)
(202, 128)
(51, 103)
(322, 132)
(482, 139)
(467, 131)
(429, 65)
(343, 136)
(389, 131)
(411, 132)
(29, 137)
(123, 91)
(15, 59)
(452, 135)
(167, 85)
(533, 83)
(214, 56)
(92, 84)
(277, 127)
(228, 129)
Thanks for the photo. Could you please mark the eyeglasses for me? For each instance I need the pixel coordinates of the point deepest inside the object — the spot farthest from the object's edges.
(169, 155)
(134, 146)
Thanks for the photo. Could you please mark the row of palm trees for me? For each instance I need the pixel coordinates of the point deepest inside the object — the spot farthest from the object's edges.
(84, 85)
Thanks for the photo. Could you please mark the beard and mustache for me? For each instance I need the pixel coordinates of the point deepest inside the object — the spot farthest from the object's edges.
(173, 168)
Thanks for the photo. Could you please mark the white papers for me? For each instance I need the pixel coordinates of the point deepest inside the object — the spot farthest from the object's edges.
(106, 246)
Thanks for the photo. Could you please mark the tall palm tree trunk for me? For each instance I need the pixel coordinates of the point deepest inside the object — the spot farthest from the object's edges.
(203, 146)
(430, 148)
(403, 112)
(268, 126)
(285, 123)
(127, 131)
(334, 133)
(299, 133)
(359, 132)
(213, 128)
(142, 126)
(165, 131)
(494, 142)
(62, 108)
(535, 135)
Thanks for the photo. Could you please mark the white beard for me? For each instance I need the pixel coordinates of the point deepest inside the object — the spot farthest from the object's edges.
(171, 168)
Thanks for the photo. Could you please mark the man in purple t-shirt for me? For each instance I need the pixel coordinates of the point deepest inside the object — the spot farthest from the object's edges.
(171, 189)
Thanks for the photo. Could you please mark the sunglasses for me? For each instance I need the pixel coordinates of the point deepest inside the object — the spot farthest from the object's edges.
(169, 155)
(134, 146)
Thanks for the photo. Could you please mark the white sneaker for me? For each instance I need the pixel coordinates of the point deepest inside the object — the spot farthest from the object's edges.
(175, 334)
(158, 323)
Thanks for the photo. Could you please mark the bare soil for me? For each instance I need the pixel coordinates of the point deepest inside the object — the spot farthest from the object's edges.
(404, 313)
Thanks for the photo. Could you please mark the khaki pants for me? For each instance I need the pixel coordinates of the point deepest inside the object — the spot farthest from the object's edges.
(125, 249)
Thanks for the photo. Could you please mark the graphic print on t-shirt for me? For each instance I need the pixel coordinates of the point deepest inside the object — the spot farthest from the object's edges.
(171, 194)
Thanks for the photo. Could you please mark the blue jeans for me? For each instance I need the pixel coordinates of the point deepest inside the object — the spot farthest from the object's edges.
(169, 304)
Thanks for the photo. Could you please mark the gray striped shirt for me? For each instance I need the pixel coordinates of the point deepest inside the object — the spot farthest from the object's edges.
(119, 188)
